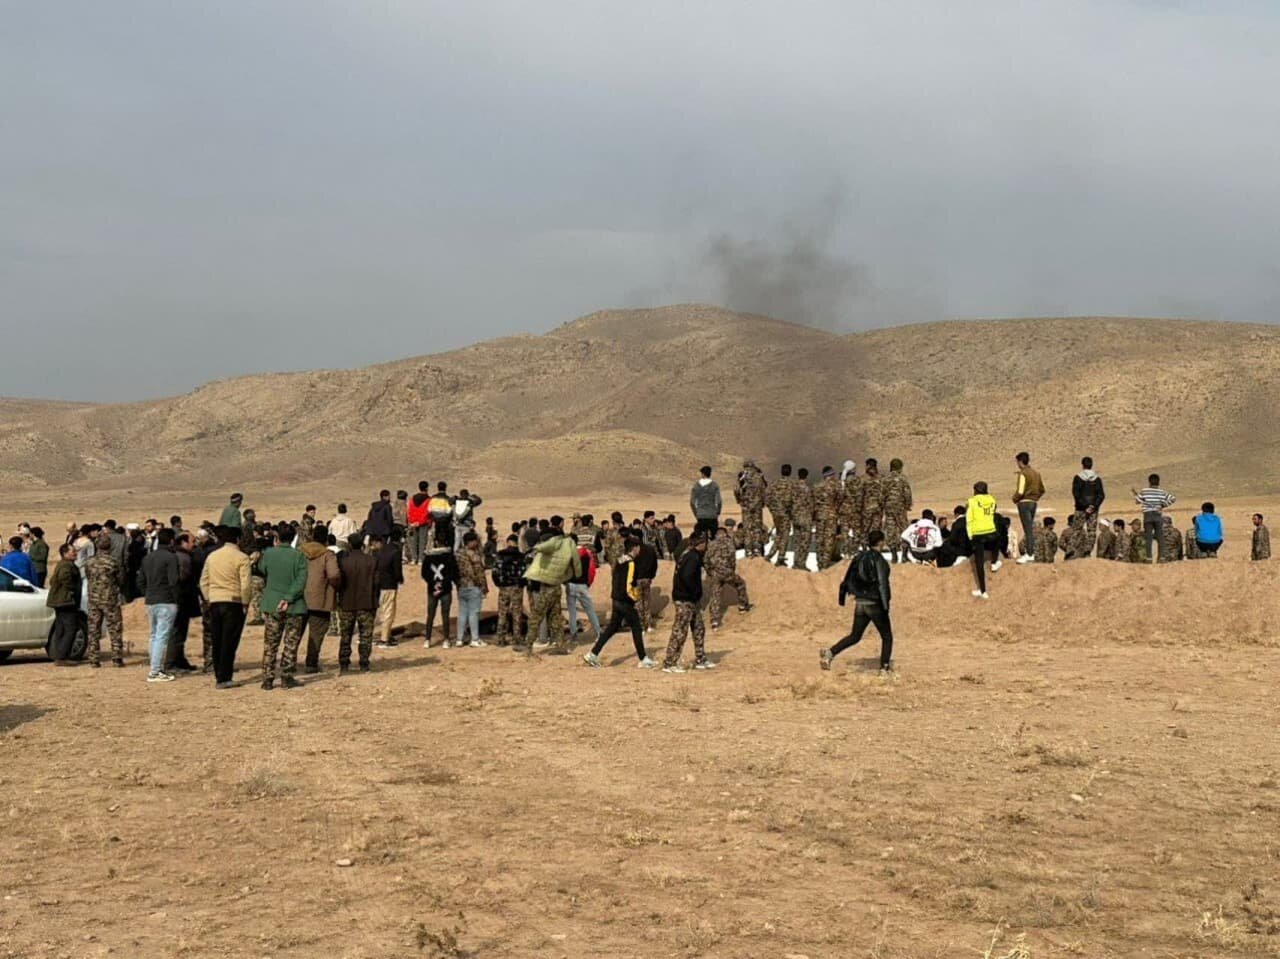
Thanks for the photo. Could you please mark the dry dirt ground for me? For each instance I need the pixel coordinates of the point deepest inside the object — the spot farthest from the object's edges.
(1087, 765)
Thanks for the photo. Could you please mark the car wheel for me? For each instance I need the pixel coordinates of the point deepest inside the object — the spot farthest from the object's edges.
(79, 645)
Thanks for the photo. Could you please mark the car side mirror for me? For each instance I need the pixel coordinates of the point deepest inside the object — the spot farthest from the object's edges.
(20, 585)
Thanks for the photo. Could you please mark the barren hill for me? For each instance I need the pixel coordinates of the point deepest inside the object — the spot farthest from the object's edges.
(639, 398)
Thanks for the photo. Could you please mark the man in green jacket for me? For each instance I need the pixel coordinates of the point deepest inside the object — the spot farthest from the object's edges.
(555, 562)
(231, 515)
(284, 607)
(64, 600)
(39, 553)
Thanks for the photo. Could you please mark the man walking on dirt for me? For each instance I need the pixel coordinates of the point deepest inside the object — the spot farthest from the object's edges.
(868, 580)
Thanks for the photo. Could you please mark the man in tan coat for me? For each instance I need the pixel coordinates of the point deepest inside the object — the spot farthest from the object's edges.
(226, 586)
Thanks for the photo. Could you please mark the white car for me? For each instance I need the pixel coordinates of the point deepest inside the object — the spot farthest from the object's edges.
(26, 622)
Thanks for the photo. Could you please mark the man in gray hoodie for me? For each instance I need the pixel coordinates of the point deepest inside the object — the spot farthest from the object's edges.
(705, 501)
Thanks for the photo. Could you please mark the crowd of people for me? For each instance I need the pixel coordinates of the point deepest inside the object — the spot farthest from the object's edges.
(309, 579)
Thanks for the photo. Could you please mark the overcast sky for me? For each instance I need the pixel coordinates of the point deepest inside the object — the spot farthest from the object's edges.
(190, 191)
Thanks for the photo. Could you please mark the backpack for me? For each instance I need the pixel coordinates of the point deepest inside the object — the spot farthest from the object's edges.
(439, 508)
(588, 564)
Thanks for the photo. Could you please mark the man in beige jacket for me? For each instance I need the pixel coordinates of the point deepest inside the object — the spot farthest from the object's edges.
(226, 585)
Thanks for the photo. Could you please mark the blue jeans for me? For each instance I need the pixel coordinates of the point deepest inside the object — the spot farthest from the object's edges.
(161, 617)
(470, 599)
(577, 593)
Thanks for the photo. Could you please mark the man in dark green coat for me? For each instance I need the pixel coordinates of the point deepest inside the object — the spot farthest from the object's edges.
(64, 600)
(231, 515)
(284, 608)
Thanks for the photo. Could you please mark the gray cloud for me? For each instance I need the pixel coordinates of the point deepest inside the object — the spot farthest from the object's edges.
(196, 191)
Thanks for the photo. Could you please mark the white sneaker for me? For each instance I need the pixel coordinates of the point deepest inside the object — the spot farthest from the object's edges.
(592, 660)
(161, 678)
(704, 664)
(542, 644)
(977, 594)
(983, 596)
(1023, 560)
(478, 642)
(646, 663)
(677, 669)
(995, 567)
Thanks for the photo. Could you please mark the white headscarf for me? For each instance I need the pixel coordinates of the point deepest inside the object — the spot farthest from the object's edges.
(848, 468)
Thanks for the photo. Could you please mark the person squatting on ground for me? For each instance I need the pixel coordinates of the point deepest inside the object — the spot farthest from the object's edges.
(686, 594)
(624, 594)
(284, 571)
(867, 580)
(721, 563)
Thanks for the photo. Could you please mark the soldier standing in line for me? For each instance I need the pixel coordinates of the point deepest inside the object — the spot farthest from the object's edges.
(103, 574)
(897, 504)
(826, 509)
(780, 498)
(872, 499)
(752, 489)
(802, 521)
(721, 565)
(850, 515)
(1138, 543)
(1261, 549)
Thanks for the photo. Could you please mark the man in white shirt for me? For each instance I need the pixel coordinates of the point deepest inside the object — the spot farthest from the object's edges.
(343, 526)
(923, 538)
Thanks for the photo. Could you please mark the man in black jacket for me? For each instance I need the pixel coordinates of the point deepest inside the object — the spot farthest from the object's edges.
(1087, 492)
(646, 571)
(358, 601)
(508, 577)
(381, 520)
(686, 594)
(389, 560)
(624, 592)
(868, 580)
(158, 583)
(189, 570)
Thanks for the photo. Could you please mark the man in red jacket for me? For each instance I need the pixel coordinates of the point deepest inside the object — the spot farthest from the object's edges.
(419, 517)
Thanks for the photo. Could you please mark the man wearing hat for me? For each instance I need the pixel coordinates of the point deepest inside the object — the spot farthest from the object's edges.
(231, 515)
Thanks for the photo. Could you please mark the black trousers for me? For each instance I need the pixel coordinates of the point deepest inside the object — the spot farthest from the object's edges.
(708, 526)
(317, 625)
(443, 602)
(177, 648)
(867, 614)
(66, 620)
(624, 614)
(227, 620)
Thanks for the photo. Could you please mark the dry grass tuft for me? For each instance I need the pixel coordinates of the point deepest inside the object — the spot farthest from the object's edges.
(442, 944)
(267, 782)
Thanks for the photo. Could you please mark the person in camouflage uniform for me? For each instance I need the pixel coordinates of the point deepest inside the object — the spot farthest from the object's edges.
(307, 526)
(802, 522)
(1170, 542)
(737, 534)
(872, 498)
(849, 518)
(686, 595)
(1120, 551)
(752, 490)
(1137, 543)
(780, 497)
(721, 566)
(104, 573)
(1261, 547)
(1191, 546)
(1086, 534)
(284, 571)
(1046, 541)
(1106, 540)
(897, 504)
(249, 545)
(826, 509)
(613, 546)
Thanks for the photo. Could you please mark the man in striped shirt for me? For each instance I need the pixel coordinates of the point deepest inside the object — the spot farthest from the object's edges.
(1154, 501)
